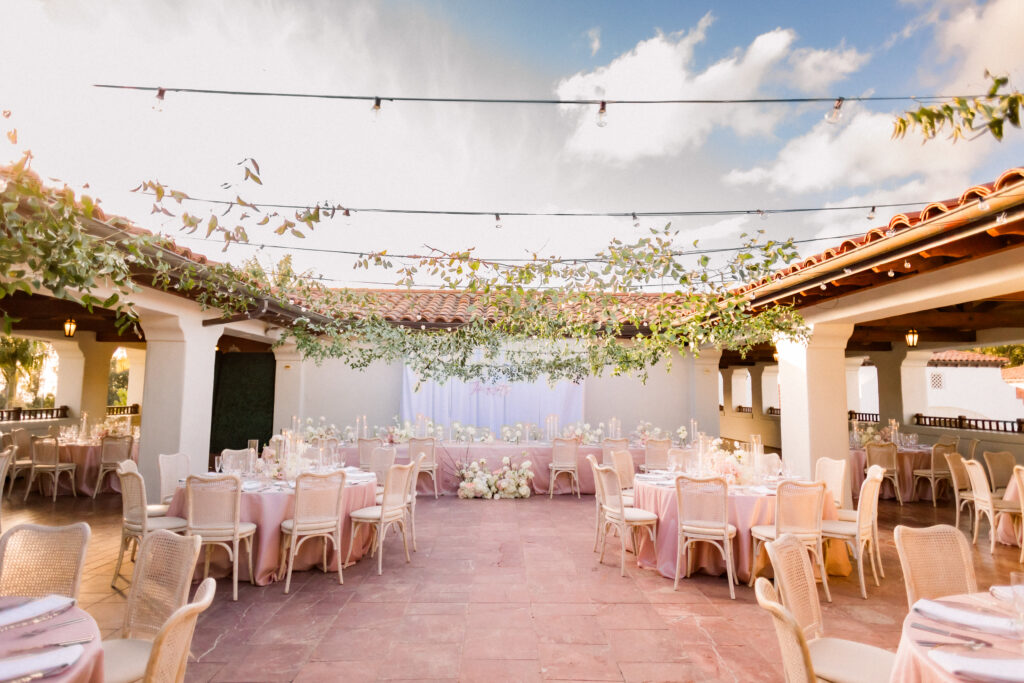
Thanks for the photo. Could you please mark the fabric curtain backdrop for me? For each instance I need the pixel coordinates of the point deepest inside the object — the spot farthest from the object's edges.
(490, 405)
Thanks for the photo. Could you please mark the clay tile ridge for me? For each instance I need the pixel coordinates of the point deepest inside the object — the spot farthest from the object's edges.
(966, 359)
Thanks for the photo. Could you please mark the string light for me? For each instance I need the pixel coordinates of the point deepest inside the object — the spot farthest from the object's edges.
(906, 264)
(871, 213)
(497, 221)
(983, 204)
(636, 221)
(763, 214)
(160, 92)
(376, 109)
(602, 115)
(892, 273)
(836, 113)
(823, 286)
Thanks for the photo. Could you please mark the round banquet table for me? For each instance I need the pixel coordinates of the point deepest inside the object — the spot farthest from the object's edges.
(88, 668)
(913, 665)
(746, 509)
(451, 454)
(267, 509)
(87, 458)
(910, 458)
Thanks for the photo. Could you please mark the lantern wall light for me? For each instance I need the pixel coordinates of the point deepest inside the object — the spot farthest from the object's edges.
(911, 338)
(69, 327)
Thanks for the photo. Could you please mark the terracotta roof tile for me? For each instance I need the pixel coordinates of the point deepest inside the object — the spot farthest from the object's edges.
(1014, 375)
(966, 359)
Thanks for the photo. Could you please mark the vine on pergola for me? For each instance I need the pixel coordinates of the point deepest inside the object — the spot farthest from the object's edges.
(544, 317)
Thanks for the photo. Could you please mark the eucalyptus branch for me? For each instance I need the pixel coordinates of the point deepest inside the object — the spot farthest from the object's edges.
(980, 115)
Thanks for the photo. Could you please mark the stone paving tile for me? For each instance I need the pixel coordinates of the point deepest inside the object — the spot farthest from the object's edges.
(498, 591)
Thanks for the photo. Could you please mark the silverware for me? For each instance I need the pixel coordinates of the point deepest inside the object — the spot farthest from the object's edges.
(973, 645)
(50, 627)
(36, 675)
(47, 646)
(35, 620)
(950, 634)
(973, 607)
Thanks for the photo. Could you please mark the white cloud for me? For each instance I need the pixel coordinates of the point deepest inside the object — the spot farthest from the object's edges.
(594, 38)
(984, 37)
(857, 152)
(815, 70)
(662, 68)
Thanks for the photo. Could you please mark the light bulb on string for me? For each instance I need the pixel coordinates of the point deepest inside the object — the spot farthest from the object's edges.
(158, 106)
(763, 214)
(497, 221)
(983, 204)
(636, 221)
(376, 109)
(1002, 218)
(892, 273)
(906, 264)
(602, 115)
(836, 113)
(871, 214)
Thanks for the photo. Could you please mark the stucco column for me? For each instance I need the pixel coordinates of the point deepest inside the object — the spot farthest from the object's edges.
(70, 372)
(813, 379)
(727, 390)
(177, 398)
(136, 374)
(756, 397)
(853, 365)
(888, 367)
(289, 386)
(914, 375)
(95, 375)
(704, 400)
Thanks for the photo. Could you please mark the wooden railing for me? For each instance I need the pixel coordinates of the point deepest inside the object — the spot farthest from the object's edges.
(862, 417)
(776, 412)
(133, 409)
(29, 414)
(975, 423)
(744, 409)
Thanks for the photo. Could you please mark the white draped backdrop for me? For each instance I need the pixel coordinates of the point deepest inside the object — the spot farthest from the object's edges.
(491, 405)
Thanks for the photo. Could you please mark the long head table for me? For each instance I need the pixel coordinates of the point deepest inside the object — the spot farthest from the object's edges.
(450, 455)
(267, 509)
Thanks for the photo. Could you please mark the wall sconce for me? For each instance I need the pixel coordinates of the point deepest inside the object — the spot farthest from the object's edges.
(69, 327)
(776, 357)
(911, 338)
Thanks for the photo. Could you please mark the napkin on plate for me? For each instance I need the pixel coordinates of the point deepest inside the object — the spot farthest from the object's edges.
(979, 621)
(1008, 669)
(34, 608)
(24, 665)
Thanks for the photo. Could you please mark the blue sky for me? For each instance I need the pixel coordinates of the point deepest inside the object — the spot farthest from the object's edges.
(502, 158)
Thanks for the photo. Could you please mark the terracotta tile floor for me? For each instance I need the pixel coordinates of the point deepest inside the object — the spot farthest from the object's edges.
(499, 590)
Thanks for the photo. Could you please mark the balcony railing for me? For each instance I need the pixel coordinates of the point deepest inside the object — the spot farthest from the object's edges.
(862, 417)
(30, 414)
(975, 423)
(744, 409)
(776, 412)
(113, 411)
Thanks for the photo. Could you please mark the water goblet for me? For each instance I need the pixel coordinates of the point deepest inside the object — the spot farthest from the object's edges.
(217, 464)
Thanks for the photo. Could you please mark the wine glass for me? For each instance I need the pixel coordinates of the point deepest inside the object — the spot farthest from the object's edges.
(217, 464)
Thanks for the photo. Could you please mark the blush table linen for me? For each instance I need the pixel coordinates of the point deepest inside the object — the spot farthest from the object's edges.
(910, 458)
(1008, 530)
(87, 458)
(267, 509)
(87, 669)
(913, 665)
(450, 455)
(746, 510)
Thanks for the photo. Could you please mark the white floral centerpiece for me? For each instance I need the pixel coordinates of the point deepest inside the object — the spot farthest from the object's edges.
(396, 432)
(321, 430)
(729, 464)
(511, 481)
(512, 434)
(645, 431)
(584, 433)
(869, 435)
(681, 435)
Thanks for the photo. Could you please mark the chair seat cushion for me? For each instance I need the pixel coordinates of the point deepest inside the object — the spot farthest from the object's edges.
(707, 529)
(564, 467)
(156, 523)
(125, 659)
(1006, 505)
(636, 515)
(368, 514)
(22, 463)
(311, 526)
(838, 527)
(933, 473)
(222, 535)
(846, 515)
(846, 661)
(379, 498)
(767, 531)
(157, 510)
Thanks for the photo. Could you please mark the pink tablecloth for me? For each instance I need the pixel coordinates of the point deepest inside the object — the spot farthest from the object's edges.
(745, 511)
(913, 665)
(1006, 533)
(450, 455)
(88, 668)
(910, 458)
(268, 509)
(87, 458)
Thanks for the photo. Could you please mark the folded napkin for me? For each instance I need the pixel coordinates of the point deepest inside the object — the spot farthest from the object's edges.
(251, 486)
(34, 608)
(1002, 593)
(979, 621)
(24, 665)
(986, 668)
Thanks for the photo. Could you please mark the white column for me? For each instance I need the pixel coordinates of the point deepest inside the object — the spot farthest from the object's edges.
(289, 386)
(888, 368)
(704, 386)
(70, 372)
(914, 374)
(853, 382)
(95, 375)
(177, 398)
(813, 378)
(756, 395)
(136, 374)
(727, 399)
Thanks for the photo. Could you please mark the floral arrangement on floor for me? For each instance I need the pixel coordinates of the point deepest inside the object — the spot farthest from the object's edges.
(582, 432)
(510, 481)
